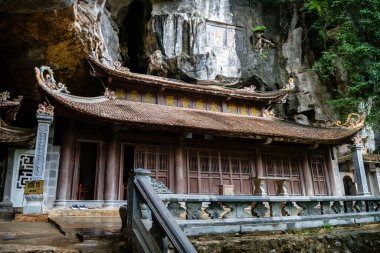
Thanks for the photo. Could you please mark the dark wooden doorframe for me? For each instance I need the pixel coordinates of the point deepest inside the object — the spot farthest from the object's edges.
(76, 172)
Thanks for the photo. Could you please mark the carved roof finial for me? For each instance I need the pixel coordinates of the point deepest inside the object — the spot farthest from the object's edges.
(44, 108)
(109, 94)
(353, 120)
(46, 75)
(4, 96)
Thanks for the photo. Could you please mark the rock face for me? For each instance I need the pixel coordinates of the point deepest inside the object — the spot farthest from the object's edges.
(193, 40)
(59, 34)
(213, 41)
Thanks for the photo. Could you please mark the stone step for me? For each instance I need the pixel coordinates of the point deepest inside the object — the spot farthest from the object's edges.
(8, 206)
(6, 216)
(6, 211)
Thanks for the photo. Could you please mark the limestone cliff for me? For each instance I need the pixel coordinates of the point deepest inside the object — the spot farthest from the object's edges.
(194, 40)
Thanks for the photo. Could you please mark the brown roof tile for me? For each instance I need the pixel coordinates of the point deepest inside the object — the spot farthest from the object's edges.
(123, 112)
(14, 135)
(100, 70)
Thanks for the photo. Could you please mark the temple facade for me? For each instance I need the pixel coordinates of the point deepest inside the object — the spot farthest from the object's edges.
(194, 138)
(16, 156)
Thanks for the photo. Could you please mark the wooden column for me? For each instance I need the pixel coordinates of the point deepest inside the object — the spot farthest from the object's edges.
(259, 173)
(307, 176)
(259, 163)
(332, 180)
(111, 175)
(66, 165)
(179, 168)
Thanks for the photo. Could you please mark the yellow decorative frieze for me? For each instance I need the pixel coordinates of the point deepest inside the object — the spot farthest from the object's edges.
(232, 108)
(170, 100)
(243, 110)
(199, 104)
(134, 96)
(254, 111)
(214, 107)
(148, 98)
(120, 93)
(185, 102)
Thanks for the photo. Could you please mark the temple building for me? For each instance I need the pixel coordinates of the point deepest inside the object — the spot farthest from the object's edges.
(16, 159)
(194, 138)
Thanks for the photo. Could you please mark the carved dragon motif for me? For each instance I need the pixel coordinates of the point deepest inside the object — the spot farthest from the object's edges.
(46, 75)
(353, 120)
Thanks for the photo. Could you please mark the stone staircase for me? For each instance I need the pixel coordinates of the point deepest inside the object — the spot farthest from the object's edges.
(6, 211)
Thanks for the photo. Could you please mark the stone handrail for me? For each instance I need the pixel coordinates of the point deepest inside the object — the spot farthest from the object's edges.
(212, 214)
(149, 224)
(280, 182)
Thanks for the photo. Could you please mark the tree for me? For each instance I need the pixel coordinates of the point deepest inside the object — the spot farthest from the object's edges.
(351, 35)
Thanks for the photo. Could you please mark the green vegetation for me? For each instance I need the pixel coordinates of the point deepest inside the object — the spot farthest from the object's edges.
(327, 227)
(350, 36)
(259, 28)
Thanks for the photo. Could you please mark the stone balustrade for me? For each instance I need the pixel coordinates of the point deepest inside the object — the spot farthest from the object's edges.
(211, 214)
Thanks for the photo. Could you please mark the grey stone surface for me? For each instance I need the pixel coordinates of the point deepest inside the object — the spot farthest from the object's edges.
(213, 41)
(8, 177)
(360, 175)
(197, 227)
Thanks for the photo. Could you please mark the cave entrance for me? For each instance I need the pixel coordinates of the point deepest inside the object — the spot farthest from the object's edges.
(132, 36)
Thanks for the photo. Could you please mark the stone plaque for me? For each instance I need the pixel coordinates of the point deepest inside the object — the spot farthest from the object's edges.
(34, 187)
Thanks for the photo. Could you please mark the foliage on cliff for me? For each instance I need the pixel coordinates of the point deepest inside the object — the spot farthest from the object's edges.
(349, 30)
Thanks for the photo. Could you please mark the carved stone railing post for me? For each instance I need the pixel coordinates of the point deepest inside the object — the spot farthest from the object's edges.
(34, 203)
(281, 188)
(259, 187)
(133, 201)
(357, 159)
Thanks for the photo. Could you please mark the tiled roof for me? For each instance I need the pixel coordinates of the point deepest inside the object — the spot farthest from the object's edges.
(9, 109)
(366, 157)
(124, 75)
(14, 135)
(137, 114)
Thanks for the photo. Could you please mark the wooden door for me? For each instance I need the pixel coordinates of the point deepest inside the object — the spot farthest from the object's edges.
(208, 169)
(284, 165)
(318, 170)
(156, 159)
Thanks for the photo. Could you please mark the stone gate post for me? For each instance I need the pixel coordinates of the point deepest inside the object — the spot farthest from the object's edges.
(357, 159)
(34, 202)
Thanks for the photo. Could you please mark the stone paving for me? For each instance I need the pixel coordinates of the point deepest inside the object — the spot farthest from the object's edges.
(62, 234)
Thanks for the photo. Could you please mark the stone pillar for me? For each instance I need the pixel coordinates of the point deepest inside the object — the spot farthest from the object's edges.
(357, 160)
(34, 203)
(64, 182)
(111, 175)
(376, 180)
(308, 179)
(180, 180)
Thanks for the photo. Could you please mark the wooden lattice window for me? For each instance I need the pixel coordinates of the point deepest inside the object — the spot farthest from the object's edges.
(155, 159)
(208, 169)
(282, 165)
(318, 168)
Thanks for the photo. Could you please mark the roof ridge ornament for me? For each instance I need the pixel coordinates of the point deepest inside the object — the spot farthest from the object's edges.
(46, 75)
(45, 108)
(4, 96)
(119, 67)
(354, 120)
(109, 94)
